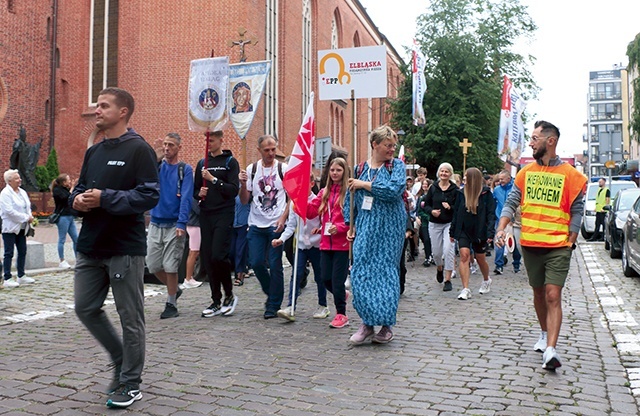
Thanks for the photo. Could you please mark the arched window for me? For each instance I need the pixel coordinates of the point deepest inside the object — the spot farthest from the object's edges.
(336, 30)
(306, 53)
(271, 53)
(103, 53)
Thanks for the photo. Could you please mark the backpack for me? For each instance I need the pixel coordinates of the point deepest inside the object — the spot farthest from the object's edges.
(358, 169)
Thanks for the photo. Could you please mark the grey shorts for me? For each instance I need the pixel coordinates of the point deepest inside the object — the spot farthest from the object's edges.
(164, 249)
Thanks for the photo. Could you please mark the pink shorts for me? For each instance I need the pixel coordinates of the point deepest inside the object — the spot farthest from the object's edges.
(194, 238)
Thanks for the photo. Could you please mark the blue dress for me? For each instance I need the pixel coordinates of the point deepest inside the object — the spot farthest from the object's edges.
(378, 245)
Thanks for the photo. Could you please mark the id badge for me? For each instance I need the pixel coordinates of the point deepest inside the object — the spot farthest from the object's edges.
(367, 203)
(327, 225)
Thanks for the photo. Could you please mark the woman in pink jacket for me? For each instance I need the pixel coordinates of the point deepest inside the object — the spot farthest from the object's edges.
(334, 247)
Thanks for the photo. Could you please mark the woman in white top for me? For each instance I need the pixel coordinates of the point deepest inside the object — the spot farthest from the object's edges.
(15, 209)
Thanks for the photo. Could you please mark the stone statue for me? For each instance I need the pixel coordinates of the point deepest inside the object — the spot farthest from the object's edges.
(24, 158)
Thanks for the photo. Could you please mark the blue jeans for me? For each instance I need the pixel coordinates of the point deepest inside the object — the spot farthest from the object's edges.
(238, 252)
(313, 255)
(20, 242)
(66, 225)
(271, 280)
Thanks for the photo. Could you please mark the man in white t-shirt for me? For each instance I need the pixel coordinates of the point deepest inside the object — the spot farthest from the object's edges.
(261, 185)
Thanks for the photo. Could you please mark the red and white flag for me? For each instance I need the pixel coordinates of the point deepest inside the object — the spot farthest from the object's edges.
(297, 178)
(401, 153)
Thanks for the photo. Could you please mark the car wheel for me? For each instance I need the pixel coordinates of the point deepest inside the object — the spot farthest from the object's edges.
(586, 235)
(613, 252)
(626, 269)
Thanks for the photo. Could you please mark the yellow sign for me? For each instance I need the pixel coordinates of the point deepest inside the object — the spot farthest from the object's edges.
(609, 164)
(544, 188)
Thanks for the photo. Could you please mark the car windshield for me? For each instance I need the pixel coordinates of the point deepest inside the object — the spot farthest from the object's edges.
(615, 188)
(627, 199)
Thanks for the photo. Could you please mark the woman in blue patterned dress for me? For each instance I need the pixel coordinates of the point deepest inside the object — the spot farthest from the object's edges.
(378, 237)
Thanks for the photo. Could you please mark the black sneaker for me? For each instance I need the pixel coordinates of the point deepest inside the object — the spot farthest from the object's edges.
(170, 311)
(115, 383)
(211, 311)
(426, 263)
(447, 286)
(440, 276)
(497, 270)
(270, 315)
(124, 396)
(229, 305)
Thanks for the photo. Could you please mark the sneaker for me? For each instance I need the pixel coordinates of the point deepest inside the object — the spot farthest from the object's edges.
(115, 383)
(124, 396)
(229, 305)
(384, 336)
(516, 269)
(287, 313)
(270, 315)
(464, 294)
(551, 359)
(322, 312)
(485, 287)
(364, 334)
(432, 261)
(440, 276)
(64, 265)
(447, 286)
(11, 283)
(497, 270)
(473, 268)
(339, 321)
(426, 263)
(211, 311)
(541, 345)
(24, 280)
(191, 283)
(454, 274)
(170, 311)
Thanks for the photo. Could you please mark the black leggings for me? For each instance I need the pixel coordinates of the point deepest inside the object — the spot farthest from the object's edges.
(215, 243)
(335, 266)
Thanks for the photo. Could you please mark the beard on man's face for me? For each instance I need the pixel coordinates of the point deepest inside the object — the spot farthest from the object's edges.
(539, 154)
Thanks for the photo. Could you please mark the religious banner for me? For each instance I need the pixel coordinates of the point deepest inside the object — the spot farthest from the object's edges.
(246, 84)
(419, 84)
(511, 134)
(363, 70)
(208, 83)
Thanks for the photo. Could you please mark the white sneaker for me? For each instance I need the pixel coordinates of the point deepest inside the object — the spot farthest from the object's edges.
(322, 312)
(64, 265)
(191, 283)
(473, 267)
(11, 283)
(541, 345)
(25, 279)
(485, 287)
(551, 359)
(287, 313)
(453, 274)
(464, 294)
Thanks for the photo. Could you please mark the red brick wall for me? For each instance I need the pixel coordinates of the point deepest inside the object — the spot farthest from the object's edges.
(157, 40)
(24, 66)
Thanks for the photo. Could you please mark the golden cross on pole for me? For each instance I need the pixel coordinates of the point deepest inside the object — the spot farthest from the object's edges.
(241, 42)
(465, 144)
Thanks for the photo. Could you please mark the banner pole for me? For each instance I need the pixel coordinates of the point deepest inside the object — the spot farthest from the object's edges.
(295, 268)
(352, 225)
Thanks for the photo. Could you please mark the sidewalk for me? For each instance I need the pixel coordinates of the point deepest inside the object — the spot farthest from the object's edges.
(449, 357)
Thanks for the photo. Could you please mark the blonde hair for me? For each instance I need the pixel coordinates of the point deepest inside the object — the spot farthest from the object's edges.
(382, 133)
(472, 189)
(324, 202)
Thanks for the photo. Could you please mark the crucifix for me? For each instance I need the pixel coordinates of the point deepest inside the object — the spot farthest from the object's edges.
(241, 42)
(465, 144)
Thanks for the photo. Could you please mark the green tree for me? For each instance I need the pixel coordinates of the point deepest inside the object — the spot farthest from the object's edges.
(633, 52)
(45, 174)
(468, 46)
(52, 165)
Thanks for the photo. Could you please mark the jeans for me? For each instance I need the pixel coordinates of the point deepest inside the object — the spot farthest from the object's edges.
(313, 255)
(125, 275)
(66, 225)
(20, 242)
(499, 253)
(271, 280)
(335, 267)
(238, 252)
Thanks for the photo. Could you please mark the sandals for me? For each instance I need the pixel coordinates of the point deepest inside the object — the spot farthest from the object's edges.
(238, 282)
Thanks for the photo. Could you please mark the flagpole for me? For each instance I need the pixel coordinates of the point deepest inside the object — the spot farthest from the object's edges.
(352, 225)
(295, 267)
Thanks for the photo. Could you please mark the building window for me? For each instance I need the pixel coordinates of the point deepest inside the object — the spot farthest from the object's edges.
(356, 39)
(609, 111)
(336, 26)
(271, 53)
(103, 53)
(306, 53)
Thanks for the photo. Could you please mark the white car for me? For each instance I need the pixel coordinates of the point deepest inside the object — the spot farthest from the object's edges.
(589, 214)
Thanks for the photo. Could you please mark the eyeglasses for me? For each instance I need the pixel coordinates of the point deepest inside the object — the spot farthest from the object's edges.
(534, 139)
(390, 146)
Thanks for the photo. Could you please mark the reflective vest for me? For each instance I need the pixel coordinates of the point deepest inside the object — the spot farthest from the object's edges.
(547, 195)
(601, 199)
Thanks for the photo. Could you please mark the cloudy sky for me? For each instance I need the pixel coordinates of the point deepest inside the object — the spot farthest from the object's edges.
(573, 38)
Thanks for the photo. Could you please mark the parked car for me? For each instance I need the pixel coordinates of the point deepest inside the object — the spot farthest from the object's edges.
(616, 216)
(631, 242)
(589, 214)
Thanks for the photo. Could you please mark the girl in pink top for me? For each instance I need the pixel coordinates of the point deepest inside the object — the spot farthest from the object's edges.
(334, 247)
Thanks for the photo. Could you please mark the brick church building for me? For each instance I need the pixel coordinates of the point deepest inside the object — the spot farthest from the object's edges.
(58, 54)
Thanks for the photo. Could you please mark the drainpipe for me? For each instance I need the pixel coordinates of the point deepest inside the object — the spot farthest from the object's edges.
(52, 81)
